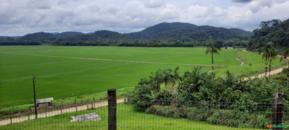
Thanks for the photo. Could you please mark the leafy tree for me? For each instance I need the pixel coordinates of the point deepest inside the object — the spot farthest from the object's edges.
(212, 49)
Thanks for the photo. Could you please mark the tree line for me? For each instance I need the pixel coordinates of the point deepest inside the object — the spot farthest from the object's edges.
(274, 32)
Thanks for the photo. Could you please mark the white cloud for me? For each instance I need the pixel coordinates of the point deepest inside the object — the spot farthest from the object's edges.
(25, 16)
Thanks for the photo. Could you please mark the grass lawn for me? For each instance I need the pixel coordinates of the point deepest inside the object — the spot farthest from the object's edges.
(64, 72)
(127, 119)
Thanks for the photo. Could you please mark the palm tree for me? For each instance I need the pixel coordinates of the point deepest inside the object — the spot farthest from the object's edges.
(212, 49)
(285, 56)
(268, 54)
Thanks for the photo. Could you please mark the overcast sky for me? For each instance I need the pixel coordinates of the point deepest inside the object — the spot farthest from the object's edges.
(18, 17)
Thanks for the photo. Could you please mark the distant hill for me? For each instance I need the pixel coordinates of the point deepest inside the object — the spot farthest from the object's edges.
(188, 32)
(162, 33)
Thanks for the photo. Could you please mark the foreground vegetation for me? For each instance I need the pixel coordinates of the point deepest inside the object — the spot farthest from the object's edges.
(203, 96)
(128, 119)
(63, 72)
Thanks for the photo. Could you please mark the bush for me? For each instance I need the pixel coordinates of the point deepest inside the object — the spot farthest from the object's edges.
(238, 119)
(258, 121)
(167, 111)
(164, 98)
(224, 117)
(197, 114)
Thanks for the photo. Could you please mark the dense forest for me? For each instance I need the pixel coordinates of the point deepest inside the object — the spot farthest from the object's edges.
(163, 34)
(274, 32)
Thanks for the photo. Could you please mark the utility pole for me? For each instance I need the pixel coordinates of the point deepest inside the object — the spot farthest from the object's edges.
(34, 97)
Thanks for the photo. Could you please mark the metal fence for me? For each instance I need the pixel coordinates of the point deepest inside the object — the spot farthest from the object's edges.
(115, 114)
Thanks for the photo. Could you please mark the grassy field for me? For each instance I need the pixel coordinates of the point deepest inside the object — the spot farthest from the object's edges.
(77, 71)
(127, 119)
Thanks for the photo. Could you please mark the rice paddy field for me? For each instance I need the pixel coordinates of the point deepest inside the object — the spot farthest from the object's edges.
(127, 119)
(65, 72)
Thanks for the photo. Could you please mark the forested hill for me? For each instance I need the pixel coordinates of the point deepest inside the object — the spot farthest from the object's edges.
(187, 32)
(274, 32)
(163, 33)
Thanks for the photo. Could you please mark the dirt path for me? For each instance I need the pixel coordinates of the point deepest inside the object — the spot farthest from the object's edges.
(101, 104)
(261, 75)
(57, 112)
(240, 59)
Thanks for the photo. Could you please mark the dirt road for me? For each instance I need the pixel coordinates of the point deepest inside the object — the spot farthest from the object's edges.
(57, 112)
(261, 75)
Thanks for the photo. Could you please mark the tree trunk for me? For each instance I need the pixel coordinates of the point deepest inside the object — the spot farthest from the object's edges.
(266, 68)
(212, 60)
(270, 68)
(288, 74)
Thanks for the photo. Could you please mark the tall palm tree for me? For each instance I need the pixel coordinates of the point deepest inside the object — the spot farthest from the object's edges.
(212, 49)
(285, 56)
(268, 54)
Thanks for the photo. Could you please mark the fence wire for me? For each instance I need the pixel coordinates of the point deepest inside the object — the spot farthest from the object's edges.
(208, 116)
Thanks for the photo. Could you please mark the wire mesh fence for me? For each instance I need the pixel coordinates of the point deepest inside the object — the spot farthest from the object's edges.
(200, 116)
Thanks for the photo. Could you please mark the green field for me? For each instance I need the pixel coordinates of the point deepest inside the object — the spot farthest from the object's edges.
(76, 71)
(127, 119)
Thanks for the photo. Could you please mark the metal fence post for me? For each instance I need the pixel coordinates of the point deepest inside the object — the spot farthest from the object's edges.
(277, 112)
(111, 109)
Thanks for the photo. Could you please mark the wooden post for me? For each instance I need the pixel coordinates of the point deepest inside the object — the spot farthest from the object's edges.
(46, 109)
(34, 98)
(11, 120)
(60, 109)
(75, 104)
(111, 109)
(277, 112)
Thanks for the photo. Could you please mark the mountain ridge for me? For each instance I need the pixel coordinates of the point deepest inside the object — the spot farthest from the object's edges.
(164, 32)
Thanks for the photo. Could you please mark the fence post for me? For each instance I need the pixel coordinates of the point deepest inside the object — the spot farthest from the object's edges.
(61, 107)
(75, 105)
(11, 122)
(277, 112)
(34, 97)
(111, 109)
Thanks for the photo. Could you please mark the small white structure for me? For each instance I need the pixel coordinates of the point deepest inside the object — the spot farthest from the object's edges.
(44, 102)
(86, 117)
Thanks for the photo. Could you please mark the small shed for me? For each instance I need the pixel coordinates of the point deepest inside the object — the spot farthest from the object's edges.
(45, 102)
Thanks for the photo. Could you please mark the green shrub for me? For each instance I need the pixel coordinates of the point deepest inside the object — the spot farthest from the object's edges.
(238, 119)
(167, 111)
(164, 98)
(197, 114)
(258, 121)
(224, 117)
